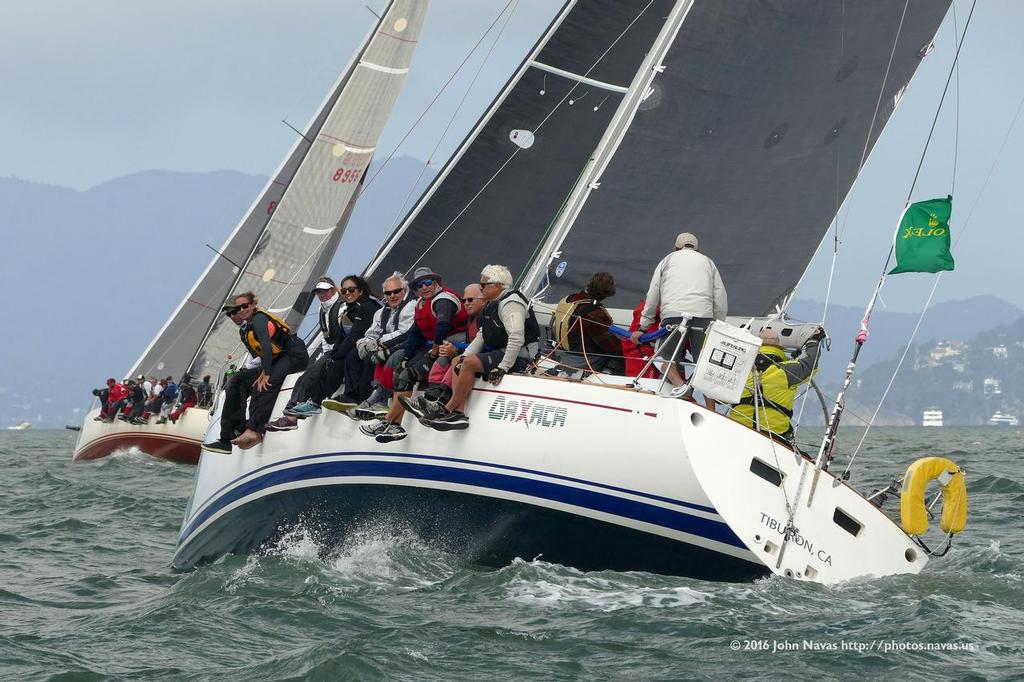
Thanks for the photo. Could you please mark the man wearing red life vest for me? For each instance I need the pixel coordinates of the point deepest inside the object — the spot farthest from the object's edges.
(439, 312)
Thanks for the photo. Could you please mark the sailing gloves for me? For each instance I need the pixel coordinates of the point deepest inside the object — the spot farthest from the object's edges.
(496, 375)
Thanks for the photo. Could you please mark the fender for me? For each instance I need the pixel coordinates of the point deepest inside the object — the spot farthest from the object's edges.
(914, 514)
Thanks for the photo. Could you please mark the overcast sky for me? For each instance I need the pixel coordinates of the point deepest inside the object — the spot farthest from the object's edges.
(100, 89)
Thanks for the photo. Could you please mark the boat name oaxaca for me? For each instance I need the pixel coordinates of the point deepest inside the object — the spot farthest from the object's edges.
(528, 412)
(798, 540)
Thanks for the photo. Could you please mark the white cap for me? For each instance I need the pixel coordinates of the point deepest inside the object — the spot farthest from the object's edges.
(686, 239)
(324, 285)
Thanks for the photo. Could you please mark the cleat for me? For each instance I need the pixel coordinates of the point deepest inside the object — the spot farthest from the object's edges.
(283, 424)
(218, 446)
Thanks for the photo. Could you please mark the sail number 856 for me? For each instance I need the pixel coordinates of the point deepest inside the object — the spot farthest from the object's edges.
(347, 174)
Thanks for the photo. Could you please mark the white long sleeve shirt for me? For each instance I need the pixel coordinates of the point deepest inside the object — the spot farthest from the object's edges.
(685, 283)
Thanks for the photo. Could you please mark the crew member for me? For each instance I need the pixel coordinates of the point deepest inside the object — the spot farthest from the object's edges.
(767, 400)
(280, 352)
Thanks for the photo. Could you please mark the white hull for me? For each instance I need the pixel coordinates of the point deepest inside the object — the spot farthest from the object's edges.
(179, 442)
(587, 475)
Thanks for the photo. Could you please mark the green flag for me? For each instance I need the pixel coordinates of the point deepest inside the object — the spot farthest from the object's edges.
(922, 241)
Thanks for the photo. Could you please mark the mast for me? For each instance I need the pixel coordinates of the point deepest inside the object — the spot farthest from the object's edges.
(306, 223)
(589, 181)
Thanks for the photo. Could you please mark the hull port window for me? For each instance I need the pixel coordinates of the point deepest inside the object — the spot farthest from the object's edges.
(767, 472)
(847, 522)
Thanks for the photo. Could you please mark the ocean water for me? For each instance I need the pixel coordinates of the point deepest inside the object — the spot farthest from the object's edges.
(86, 593)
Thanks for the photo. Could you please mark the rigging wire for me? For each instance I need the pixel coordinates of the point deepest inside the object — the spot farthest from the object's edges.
(401, 211)
(540, 125)
(448, 82)
(938, 276)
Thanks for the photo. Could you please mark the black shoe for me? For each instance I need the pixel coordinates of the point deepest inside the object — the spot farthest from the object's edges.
(431, 408)
(218, 446)
(449, 421)
(411, 405)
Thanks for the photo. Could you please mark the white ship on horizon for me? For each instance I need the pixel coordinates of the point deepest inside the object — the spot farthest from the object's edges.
(1003, 419)
(23, 426)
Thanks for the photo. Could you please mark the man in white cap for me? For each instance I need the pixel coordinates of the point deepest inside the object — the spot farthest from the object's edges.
(686, 283)
(767, 400)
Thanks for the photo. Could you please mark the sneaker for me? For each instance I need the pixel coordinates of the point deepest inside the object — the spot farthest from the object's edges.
(411, 405)
(431, 408)
(283, 424)
(161, 420)
(384, 431)
(337, 404)
(139, 421)
(368, 411)
(303, 410)
(174, 420)
(682, 392)
(99, 419)
(449, 421)
(218, 446)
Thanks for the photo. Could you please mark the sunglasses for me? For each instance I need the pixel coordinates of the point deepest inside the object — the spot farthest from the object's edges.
(234, 310)
(424, 283)
(469, 299)
(393, 292)
(349, 290)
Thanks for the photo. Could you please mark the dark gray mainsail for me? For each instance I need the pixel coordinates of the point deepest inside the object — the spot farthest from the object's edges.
(751, 138)
(494, 200)
(749, 130)
(294, 226)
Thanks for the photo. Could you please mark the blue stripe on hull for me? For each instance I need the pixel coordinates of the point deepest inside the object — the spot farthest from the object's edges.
(554, 491)
(478, 528)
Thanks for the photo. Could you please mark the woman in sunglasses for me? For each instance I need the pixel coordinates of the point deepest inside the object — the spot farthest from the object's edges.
(280, 352)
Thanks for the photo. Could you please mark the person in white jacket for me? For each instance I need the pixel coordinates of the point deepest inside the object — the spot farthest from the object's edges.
(686, 283)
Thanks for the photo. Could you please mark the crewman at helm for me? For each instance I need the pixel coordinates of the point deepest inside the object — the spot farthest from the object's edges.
(779, 377)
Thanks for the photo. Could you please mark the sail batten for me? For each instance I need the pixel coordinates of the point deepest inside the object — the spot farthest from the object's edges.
(496, 197)
(294, 227)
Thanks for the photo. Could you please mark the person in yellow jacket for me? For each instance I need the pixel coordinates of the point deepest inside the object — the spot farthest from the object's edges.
(779, 377)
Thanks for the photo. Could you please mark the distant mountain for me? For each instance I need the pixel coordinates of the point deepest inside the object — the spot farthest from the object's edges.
(890, 331)
(968, 380)
(91, 276)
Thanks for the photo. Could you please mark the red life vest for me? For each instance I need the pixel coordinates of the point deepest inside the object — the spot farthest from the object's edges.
(426, 320)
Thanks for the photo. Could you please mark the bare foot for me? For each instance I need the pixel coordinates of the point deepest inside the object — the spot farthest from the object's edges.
(247, 440)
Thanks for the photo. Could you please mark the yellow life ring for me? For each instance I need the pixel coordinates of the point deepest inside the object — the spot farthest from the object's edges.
(913, 513)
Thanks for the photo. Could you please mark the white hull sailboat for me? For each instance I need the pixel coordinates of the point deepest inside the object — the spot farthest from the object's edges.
(282, 245)
(588, 475)
(628, 122)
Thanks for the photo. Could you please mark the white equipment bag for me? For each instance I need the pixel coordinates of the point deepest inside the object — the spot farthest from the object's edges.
(725, 362)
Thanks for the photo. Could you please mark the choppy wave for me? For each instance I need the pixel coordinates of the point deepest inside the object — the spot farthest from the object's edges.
(86, 592)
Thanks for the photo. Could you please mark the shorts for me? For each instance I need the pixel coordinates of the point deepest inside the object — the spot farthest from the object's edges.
(490, 359)
(695, 332)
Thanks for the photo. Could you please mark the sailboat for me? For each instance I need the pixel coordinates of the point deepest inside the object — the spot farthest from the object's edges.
(626, 123)
(282, 245)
